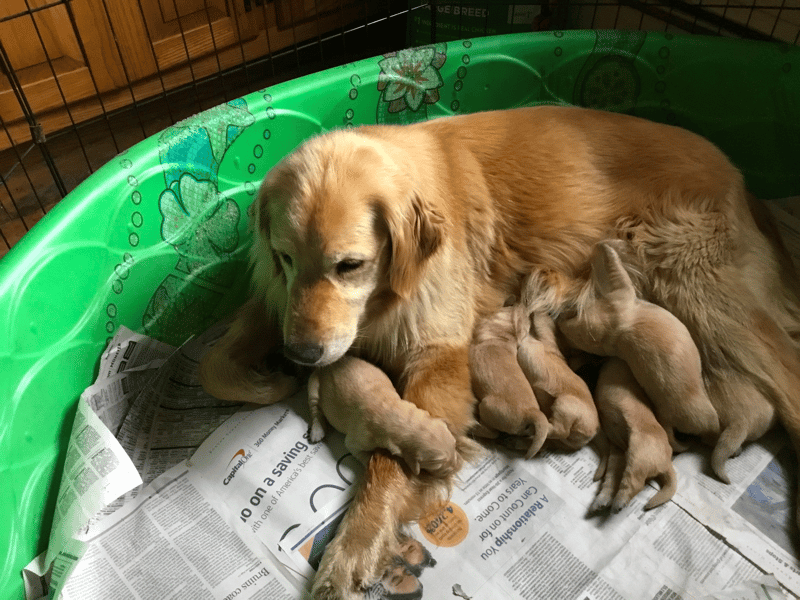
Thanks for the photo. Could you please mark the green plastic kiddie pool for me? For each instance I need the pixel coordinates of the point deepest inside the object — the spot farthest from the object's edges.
(156, 240)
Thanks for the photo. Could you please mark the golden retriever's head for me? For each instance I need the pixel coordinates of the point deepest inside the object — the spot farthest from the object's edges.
(341, 233)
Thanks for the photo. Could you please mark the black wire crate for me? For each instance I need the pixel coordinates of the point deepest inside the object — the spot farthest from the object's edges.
(82, 80)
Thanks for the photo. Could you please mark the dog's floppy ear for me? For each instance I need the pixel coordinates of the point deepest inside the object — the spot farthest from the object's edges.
(261, 252)
(416, 230)
(251, 214)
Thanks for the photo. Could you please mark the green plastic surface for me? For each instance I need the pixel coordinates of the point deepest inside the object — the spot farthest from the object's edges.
(156, 239)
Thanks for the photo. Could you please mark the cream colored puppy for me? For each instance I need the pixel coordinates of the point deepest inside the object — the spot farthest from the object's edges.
(656, 345)
(631, 427)
(562, 394)
(744, 414)
(359, 400)
(506, 400)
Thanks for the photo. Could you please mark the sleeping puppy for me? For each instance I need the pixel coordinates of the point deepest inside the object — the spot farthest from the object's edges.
(745, 414)
(656, 346)
(639, 449)
(390, 242)
(561, 393)
(359, 400)
(506, 400)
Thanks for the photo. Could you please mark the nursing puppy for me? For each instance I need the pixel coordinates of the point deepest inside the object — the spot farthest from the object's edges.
(746, 415)
(359, 400)
(639, 450)
(391, 241)
(563, 395)
(506, 400)
(654, 343)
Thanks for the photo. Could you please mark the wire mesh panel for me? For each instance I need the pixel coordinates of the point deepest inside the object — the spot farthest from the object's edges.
(82, 80)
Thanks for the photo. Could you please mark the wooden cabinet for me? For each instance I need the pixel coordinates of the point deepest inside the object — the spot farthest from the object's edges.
(74, 59)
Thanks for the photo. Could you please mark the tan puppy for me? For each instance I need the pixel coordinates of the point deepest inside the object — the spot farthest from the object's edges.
(744, 415)
(392, 241)
(562, 394)
(359, 400)
(631, 427)
(506, 400)
(744, 412)
(655, 344)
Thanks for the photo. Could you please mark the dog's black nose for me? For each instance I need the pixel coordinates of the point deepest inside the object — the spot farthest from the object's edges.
(305, 354)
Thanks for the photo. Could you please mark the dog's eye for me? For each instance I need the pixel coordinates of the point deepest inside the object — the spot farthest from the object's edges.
(286, 259)
(348, 266)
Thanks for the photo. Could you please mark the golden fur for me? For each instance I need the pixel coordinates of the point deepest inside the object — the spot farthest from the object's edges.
(656, 345)
(563, 395)
(392, 241)
(639, 448)
(506, 401)
(359, 400)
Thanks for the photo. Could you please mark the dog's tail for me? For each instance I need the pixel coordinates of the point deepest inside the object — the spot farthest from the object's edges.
(232, 367)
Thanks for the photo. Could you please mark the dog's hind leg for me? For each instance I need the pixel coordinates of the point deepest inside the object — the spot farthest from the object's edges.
(676, 445)
(540, 427)
(729, 443)
(669, 485)
(611, 477)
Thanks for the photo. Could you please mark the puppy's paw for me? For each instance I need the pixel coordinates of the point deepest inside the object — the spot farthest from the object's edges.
(621, 500)
(601, 502)
(610, 480)
(482, 431)
(437, 456)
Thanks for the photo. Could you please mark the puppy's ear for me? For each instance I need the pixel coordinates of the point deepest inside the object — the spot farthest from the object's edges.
(609, 273)
(416, 231)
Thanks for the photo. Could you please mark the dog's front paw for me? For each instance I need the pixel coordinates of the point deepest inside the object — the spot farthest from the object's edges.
(272, 387)
(344, 574)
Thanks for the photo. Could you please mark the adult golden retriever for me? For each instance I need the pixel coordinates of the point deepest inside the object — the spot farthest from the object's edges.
(390, 241)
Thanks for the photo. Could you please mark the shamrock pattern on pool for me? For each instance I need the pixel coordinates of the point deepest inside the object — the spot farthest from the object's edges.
(198, 220)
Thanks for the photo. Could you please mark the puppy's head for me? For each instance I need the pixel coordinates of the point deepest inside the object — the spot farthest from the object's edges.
(340, 234)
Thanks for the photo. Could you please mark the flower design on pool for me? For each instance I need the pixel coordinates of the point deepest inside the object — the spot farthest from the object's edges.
(410, 78)
(198, 221)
